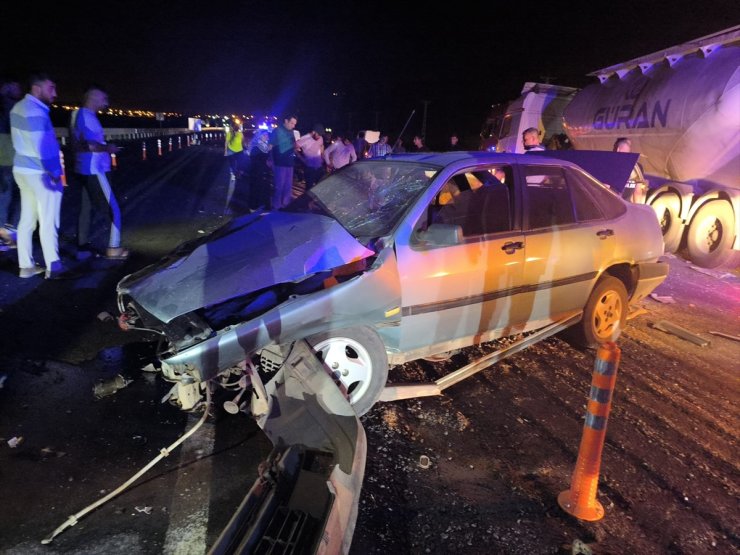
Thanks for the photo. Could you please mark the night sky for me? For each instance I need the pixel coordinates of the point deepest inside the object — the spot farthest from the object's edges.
(349, 65)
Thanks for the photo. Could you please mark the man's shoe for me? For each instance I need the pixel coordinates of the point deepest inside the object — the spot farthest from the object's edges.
(116, 253)
(63, 273)
(30, 272)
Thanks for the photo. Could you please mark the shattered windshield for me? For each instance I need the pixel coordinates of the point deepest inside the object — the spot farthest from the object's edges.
(368, 197)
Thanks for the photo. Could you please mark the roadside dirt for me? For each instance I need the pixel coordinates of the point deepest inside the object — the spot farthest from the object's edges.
(502, 445)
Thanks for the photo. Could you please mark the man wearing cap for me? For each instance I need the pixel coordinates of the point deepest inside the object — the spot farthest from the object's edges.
(311, 153)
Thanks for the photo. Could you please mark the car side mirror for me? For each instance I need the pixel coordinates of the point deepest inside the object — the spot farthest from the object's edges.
(441, 235)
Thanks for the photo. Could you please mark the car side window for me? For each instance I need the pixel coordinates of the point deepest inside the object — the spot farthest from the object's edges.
(548, 199)
(478, 202)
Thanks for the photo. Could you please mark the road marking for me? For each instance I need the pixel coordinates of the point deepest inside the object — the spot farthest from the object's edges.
(187, 532)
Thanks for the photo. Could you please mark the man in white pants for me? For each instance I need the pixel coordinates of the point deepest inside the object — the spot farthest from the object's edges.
(37, 170)
(93, 165)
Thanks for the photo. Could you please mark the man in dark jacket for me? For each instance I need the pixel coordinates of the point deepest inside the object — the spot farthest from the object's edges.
(282, 141)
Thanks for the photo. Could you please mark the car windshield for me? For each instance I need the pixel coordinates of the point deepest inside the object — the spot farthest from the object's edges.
(367, 197)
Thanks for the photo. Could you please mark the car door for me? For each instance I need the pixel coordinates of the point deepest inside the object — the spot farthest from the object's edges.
(462, 263)
(567, 240)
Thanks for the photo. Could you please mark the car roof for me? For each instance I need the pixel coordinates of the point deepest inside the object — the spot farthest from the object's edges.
(606, 166)
(474, 156)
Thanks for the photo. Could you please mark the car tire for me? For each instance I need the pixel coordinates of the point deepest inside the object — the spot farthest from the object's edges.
(604, 315)
(667, 207)
(710, 235)
(357, 360)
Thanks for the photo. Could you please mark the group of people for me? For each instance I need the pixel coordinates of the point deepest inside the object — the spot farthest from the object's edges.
(32, 166)
(266, 165)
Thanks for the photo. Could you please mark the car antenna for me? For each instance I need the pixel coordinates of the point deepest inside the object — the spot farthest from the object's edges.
(402, 130)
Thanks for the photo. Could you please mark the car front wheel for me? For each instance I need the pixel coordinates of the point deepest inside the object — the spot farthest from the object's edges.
(604, 315)
(357, 360)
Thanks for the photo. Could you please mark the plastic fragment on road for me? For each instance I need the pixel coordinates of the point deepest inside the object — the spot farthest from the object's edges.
(424, 462)
(145, 510)
(580, 548)
(717, 333)
(713, 273)
(109, 387)
(683, 333)
(634, 312)
(149, 368)
(105, 317)
(665, 299)
(14, 442)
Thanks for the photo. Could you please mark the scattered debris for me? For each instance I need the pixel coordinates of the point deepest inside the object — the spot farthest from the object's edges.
(634, 312)
(150, 368)
(683, 333)
(201, 231)
(48, 451)
(145, 510)
(712, 273)
(105, 317)
(665, 299)
(717, 333)
(109, 387)
(580, 548)
(14, 442)
(424, 462)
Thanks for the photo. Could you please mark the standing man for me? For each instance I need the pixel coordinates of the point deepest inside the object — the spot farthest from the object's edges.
(37, 170)
(454, 142)
(419, 145)
(531, 139)
(381, 148)
(340, 153)
(10, 93)
(93, 166)
(283, 144)
(311, 152)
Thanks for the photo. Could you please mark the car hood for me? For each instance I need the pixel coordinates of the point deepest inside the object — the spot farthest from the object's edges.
(249, 254)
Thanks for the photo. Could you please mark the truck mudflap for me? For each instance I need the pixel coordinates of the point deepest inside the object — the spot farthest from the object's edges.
(649, 275)
(305, 499)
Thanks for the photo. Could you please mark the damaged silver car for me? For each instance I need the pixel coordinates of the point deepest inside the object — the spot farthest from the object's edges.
(394, 259)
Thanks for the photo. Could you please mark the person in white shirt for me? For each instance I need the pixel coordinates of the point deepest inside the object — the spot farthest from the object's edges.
(531, 139)
(339, 154)
(93, 166)
(37, 169)
(311, 153)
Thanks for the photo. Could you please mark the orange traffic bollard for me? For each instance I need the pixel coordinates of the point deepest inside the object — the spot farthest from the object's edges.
(64, 173)
(179, 143)
(169, 145)
(159, 147)
(580, 500)
(143, 150)
(113, 160)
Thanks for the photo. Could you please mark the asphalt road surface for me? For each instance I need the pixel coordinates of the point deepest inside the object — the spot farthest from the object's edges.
(500, 446)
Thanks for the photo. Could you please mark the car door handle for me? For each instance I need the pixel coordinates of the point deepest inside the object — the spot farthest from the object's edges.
(512, 246)
(604, 233)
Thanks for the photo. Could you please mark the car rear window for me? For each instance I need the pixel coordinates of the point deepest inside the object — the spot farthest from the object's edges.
(609, 204)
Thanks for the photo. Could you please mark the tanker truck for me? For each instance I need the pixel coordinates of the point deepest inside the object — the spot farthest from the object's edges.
(680, 107)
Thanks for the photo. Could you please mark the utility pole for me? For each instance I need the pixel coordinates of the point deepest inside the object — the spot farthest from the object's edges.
(424, 119)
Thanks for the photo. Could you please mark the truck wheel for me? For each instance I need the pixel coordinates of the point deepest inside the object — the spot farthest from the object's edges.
(604, 315)
(357, 360)
(667, 208)
(710, 236)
